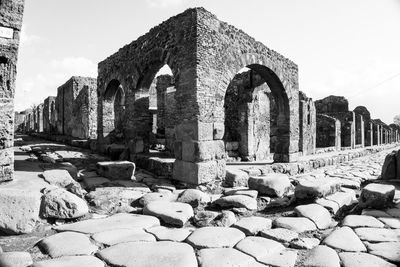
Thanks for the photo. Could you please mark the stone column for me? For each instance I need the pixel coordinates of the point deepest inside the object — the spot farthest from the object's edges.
(362, 132)
(378, 134)
(371, 127)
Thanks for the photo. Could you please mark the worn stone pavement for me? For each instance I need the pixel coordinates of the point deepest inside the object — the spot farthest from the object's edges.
(310, 219)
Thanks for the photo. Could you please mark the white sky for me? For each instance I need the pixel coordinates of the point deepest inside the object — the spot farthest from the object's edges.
(342, 47)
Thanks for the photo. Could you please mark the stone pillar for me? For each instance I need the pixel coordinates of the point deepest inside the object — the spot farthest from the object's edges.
(379, 142)
(362, 131)
(353, 132)
(371, 137)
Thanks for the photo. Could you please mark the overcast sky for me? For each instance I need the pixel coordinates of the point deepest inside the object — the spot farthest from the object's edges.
(342, 47)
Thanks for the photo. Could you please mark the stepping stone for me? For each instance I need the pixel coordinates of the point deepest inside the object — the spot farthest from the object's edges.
(355, 221)
(285, 258)
(117, 221)
(234, 178)
(169, 234)
(113, 237)
(387, 250)
(297, 224)
(321, 256)
(215, 237)
(67, 244)
(70, 261)
(253, 225)
(133, 185)
(15, 259)
(280, 234)
(61, 204)
(205, 218)
(315, 188)
(225, 219)
(305, 243)
(343, 198)
(316, 213)
(377, 234)
(259, 247)
(357, 259)
(273, 184)
(163, 253)
(241, 191)
(391, 222)
(194, 197)
(377, 196)
(330, 205)
(174, 213)
(344, 239)
(374, 213)
(116, 170)
(60, 178)
(156, 196)
(91, 183)
(223, 257)
(237, 201)
(394, 212)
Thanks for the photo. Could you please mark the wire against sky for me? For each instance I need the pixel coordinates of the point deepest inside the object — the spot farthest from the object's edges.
(376, 85)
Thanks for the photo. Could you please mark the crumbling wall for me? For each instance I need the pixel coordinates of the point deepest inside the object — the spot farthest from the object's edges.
(328, 132)
(307, 125)
(48, 110)
(19, 118)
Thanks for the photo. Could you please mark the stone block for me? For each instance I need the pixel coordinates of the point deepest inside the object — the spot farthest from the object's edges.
(377, 196)
(273, 184)
(219, 130)
(195, 151)
(315, 189)
(195, 173)
(6, 173)
(116, 170)
(221, 169)
(235, 178)
(178, 149)
(389, 167)
(198, 131)
(136, 146)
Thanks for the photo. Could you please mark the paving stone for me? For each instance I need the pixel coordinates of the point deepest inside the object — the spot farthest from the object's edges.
(113, 237)
(61, 204)
(330, 205)
(273, 184)
(194, 197)
(253, 225)
(344, 239)
(205, 218)
(355, 221)
(15, 259)
(223, 257)
(279, 234)
(374, 213)
(297, 224)
(241, 191)
(391, 222)
(117, 221)
(90, 183)
(259, 247)
(236, 178)
(377, 196)
(163, 187)
(163, 253)
(156, 196)
(305, 243)
(225, 219)
(169, 234)
(315, 188)
(316, 213)
(343, 198)
(394, 212)
(116, 170)
(357, 259)
(285, 258)
(237, 201)
(60, 178)
(71, 261)
(67, 244)
(133, 185)
(387, 250)
(174, 213)
(215, 237)
(377, 234)
(321, 256)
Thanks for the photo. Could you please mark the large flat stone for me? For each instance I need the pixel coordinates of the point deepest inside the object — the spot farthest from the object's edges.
(316, 188)
(61, 204)
(15, 259)
(305, 243)
(215, 237)
(157, 196)
(67, 244)
(194, 197)
(321, 256)
(259, 247)
(163, 253)
(91, 183)
(116, 170)
(223, 257)
(387, 250)
(274, 184)
(391, 222)
(57, 177)
(253, 225)
(237, 201)
(285, 258)
(355, 221)
(316, 213)
(236, 178)
(71, 261)
(113, 237)
(280, 234)
(169, 234)
(174, 213)
(377, 234)
(357, 259)
(377, 196)
(117, 221)
(297, 224)
(344, 239)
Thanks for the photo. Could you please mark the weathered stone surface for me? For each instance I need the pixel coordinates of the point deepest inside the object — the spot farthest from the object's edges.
(90, 183)
(285, 258)
(113, 237)
(377, 196)
(67, 244)
(343, 198)
(305, 243)
(60, 178)
(61, 204)
(351, 259)
(391, 222)
(355, 221)
(21, 213)
(116, 170)
(322, 256)
(274, 184)
(253, 225)
(15, 259)
(316, 213)
(70, 261)
(387, 250)
(237, 201)
(259, 247)
(163, 253)
(389, 167)
(279, 234)
(169, 234)
(215, 237)
(344, 239)
(194, 197)
(377, 234)
(374, 213)
(225, 219)
(330, 205)
(117, 221)
(155, 196)
(205, 218)
(174, 213)
(316, 188)
(297, 224)
(236, 178)
(241, 191)
(223, 257)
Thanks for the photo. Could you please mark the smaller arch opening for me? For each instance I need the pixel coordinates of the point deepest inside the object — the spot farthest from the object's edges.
(113, 110)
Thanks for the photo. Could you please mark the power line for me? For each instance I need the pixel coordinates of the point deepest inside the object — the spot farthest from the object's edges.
(377, 85)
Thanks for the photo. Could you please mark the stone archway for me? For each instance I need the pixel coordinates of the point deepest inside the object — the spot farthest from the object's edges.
(113, 107)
